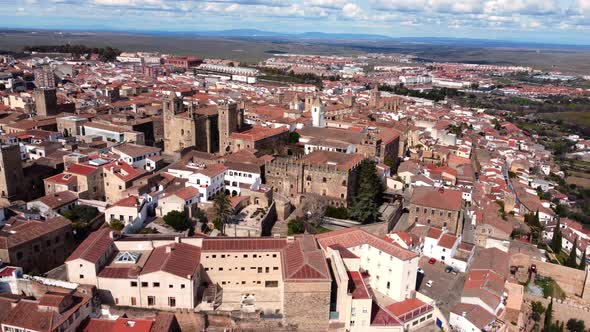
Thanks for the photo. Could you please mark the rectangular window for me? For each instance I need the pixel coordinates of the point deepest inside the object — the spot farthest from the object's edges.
(134, 284)
(144, 284)
(156, 284)
(259, 270)
(151, 300)
(172, 302)
(272, 284)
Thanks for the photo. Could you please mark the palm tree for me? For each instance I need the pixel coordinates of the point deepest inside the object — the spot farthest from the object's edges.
(222, 207)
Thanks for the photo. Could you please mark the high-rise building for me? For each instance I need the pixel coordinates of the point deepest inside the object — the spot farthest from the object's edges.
(45, 101)
(11, 171)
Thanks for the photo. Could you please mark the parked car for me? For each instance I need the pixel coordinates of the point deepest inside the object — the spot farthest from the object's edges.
(429, 283)
(449, 269)
(432, 261)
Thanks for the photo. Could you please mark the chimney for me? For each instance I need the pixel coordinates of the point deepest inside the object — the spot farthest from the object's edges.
(177, 239)
(169, 249)
(113, 235)
(463, 314)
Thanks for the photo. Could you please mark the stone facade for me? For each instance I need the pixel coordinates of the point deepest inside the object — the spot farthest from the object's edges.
(48, 248)
(202, 128)
(452, 220)
(45, 102)
(306, 305)
(11, 172)
(294, 179)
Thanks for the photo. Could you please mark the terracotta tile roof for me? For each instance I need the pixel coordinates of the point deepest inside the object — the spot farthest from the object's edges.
(352, 237)
(409, 309)
(130, 201)
(447, 241)
(258, 132)
(302, 259)
(81, 169)
(357, 286)
(344, 253)
(135, 150)
(341, 161)
(243, 244)
(59, 199)
(446, 199)
(434, 233)
(477, 315)
(180, 259)
(187, 192)
(93, 247)
(382, 317)
(127, 272)
(15, 235)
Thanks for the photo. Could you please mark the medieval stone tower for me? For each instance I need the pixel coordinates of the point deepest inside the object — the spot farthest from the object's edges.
(230, 120)
(374, 100)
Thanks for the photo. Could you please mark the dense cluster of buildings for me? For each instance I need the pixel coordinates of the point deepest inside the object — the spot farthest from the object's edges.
(97, 157)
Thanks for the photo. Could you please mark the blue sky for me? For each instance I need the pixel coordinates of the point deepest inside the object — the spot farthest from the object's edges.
(555, 21)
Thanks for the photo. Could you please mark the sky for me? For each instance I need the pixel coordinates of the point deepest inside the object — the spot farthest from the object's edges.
(545, 21)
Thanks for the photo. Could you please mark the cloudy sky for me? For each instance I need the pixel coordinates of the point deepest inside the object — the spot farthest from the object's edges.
(556, 21)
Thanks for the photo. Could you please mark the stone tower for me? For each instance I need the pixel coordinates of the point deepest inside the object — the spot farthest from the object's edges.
(11, 172)
(374, 101)
(45, 101)
(318, 114)
(230, 120)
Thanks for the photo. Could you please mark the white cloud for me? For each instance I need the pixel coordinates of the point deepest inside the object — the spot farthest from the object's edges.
(352, 10)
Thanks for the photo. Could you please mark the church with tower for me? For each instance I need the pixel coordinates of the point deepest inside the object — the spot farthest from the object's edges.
(206, 129)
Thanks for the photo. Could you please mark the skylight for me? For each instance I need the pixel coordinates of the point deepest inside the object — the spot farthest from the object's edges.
(127, 257)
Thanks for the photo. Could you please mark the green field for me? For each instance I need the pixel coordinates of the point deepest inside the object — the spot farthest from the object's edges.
(577, 118)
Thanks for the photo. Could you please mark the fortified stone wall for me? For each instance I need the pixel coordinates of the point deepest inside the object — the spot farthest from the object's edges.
(307, 305)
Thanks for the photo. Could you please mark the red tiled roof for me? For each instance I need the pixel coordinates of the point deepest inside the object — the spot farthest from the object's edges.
(81, 169)
(126, 272)
(352, 237)
(382, 317)
(243, 244)
(30, 230)
(447, 241)
(130, 201)
(434, 233)
(180, 259)
(93, 247)
(446, 199)
(357, 285)
(187, 192)
(409, 309)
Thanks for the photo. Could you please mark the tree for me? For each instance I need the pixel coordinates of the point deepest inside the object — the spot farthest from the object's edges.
(556, 239)
(295, 226)
(177, 220)
(366, 202)
(293, 137)
(572, 260)
(222, 207)
(549, 313)
(575, 325)
(538, 309)
(582, 265)
(116, 225)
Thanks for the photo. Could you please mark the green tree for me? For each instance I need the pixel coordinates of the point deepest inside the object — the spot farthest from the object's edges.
(556, 239)
(295, 226)
(572, 260)
(366, 202)
(293, 137)
(575, 325)
(549, 313)
(222, 208)
(538, 309)
(177, 220)
(116, 225)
